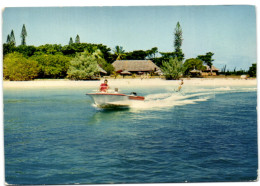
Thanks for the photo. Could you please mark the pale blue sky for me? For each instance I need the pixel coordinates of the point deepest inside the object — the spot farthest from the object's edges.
(227, 31)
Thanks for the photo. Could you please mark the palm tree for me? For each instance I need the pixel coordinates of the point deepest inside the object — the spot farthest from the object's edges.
(119, 52)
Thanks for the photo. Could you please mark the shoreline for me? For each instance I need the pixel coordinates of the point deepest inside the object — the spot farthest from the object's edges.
(64, 83)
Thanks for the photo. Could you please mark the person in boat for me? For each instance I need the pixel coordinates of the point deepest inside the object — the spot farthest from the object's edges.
(104, 86)
(181, 83)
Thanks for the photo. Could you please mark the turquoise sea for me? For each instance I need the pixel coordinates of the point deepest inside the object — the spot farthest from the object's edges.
(201, 134)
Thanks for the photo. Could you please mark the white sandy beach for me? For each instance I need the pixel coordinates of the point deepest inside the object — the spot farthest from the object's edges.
(128, 82)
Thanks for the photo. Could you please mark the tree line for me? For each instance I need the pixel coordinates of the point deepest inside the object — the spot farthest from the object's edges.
(83, 60)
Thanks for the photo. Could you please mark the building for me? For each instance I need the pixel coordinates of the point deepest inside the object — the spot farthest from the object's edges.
(195, 73)
(135, 66)
(207, 71)
(101, 70)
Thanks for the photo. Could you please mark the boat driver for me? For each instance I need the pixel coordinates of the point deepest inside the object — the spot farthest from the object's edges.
(104, 86)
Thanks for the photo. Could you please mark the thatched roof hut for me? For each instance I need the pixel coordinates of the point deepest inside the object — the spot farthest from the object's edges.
(214, 69)
(135, 66)
(125, 72)
(101, 70)
(207, 71)
(195, 71)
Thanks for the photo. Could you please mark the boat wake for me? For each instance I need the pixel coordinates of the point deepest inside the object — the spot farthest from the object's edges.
(185, 97)
(159, 101)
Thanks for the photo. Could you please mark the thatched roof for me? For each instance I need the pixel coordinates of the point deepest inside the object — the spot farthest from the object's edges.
(195, 71)
(135, 65)
(101, 70)
(213, 68)
(125, 72)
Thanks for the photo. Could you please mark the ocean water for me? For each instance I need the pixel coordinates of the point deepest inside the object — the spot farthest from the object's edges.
(201, 134)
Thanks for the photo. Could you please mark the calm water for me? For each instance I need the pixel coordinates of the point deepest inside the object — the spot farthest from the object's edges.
(202, 134)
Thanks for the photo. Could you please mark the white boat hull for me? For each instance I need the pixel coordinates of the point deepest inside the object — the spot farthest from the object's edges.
(112, 100)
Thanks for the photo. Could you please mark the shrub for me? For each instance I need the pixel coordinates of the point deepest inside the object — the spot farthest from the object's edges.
(52, 66)
(18, 68)
(83, 66)
(172, 69)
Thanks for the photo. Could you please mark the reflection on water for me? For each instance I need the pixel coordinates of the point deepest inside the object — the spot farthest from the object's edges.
(103, 115)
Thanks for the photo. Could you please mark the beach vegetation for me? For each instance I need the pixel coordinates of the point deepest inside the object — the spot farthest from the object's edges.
(191, 64)
(71, 41)
(252, 70)
(8, 48)
(172, 69)
(178, 37)
(71, 50)
(27, 51)
(23, 35)
(207, 59)
(119, 52)
(52, 66)
(16, 67)
(77, 39)
(151, 54)
(84, 65)
(141, 54)
(12, 37)
(8, 39)
(48, 49)
(136, 55)
(178, 42)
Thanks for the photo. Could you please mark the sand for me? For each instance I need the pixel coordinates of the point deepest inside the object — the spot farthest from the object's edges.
(63, 83)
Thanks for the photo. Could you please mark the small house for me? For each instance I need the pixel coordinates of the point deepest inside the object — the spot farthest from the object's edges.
(136, 66)
(207, 71)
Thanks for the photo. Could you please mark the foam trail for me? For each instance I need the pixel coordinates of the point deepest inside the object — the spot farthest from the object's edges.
(192, 96)
(164, 100)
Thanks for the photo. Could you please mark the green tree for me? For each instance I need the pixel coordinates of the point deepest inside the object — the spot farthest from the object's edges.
(12, 37)
(119, 52)
(8, 48)
(77, 40)
(178, 42)
(23, 35)
(84, 66)
(151, 53)
(74, 48)
(71, 41)
(99, 56)
(52, 66)
(27, 51)
(18, 68)
(207, 59)
(166, 56)
(102, 62)
(191, 64)
(172, 69)
(8, 40)
(252, 70)
(136, 55)
(178, 37)
(49, 49)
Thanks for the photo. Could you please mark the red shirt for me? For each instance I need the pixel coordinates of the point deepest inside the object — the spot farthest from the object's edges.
(103, 87)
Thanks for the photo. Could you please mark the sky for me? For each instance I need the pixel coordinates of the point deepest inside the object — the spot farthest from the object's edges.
(229, 31)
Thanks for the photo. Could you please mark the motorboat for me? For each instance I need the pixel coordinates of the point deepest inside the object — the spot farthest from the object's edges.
(114, 99)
